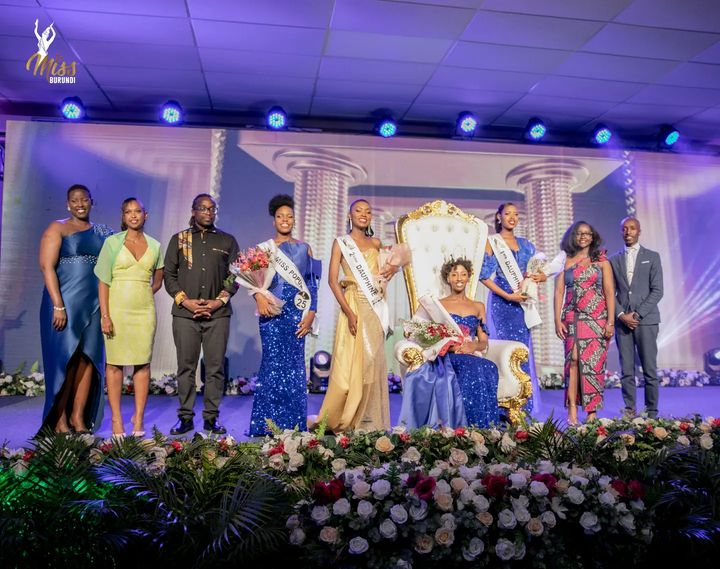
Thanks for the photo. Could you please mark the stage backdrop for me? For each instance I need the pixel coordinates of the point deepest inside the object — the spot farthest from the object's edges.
(675, 196)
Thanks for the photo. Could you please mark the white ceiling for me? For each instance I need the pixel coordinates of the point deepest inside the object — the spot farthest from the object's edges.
(632, 63)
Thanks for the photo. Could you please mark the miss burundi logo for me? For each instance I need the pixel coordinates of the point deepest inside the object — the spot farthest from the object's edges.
(54, 69)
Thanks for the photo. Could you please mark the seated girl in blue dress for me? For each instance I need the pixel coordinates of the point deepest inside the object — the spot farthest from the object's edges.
(460, 387)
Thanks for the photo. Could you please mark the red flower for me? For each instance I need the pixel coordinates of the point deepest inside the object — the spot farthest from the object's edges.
(404, 437)
(522, 435)
(28, 455)
(549, 480)
(460, 432)
(602, 431)
(636, 490)
(684, 426)
(279, 449)
(177, 445)
(223, 445)
(716, 423)
(425, 487)
(313, 443)
(620, 487)
(649, 429)
(106, 447)
(494, 485)
(344, 442)
(328, 492)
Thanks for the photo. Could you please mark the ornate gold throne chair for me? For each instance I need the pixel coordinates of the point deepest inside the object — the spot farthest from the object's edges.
(434, 232)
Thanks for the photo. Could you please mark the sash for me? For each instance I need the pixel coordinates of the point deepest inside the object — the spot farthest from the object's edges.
(514, 276)
(430, 308)
(287, 269)
(365, 281)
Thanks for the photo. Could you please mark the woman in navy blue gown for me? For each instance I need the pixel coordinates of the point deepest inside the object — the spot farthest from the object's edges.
(281, 393)
(72, 343)
(506, 314)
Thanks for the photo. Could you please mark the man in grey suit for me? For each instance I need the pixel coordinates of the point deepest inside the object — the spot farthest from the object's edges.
(638, 289)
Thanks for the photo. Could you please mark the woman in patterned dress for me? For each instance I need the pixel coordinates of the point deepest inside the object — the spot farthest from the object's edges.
(130, 272)
(584, 296)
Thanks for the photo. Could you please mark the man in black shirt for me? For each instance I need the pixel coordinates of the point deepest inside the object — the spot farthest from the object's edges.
(197, 264)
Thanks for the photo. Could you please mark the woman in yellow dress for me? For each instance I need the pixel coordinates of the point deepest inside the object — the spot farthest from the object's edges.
(357, 395)
(130, 272)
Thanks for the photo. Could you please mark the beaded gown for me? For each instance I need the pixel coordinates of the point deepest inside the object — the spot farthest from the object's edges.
(478, 379)
(507, 319)
(281, 392)
(79, 289)
(357, 396)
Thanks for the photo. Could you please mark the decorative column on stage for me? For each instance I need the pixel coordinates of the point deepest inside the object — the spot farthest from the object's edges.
(548, 185)
(322, 180)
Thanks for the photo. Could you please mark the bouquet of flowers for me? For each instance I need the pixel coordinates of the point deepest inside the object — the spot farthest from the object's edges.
(429, 334)
(397, 255)
(253, 270)
(539, 263)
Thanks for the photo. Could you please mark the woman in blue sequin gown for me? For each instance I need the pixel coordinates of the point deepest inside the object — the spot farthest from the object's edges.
(507, 319)
(72, 343)
(478, 377)
(281, 393)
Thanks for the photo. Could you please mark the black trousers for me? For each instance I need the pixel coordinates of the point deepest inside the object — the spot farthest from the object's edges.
(212, 336)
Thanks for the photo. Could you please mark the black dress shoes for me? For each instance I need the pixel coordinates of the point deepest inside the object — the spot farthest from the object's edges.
(213, 426)
(182, 426)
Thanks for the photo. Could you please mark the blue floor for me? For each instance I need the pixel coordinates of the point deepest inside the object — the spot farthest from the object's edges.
(20, 416)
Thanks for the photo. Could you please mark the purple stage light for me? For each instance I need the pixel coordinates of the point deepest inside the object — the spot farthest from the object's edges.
(171, 113)
(73, 109)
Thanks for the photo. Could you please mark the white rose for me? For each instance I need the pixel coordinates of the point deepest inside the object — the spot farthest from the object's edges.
(548, 518)
(358, 546)
(575, 479)
(507, 444)
(442, 487)
(458, 457)
(494, 435)
(517, 480)
(398, 514)
(480, 449)
(295, 460)
(341, 507)
(291, 445)
(575, 495)
(538, 489)
(520, 502)
(481, 503)
(621, 508)
(604, 481)
(522, 515)
(506, 519)
(706, 441)
(444, 536)
(320, 514)
(476, 437)
(607, 499)
(328, 534)
(297, 536)
(683, 440)
(589, 522)
(474, 548)
(467, 495)
(365, 509)
(388, 529)
(621, 454)
(411, 455)
(419, 512)
(448, 521)
(627, 522)
(361, 489)
(535, 526)
(545, 467)
(458, 484)
(447, 432)
(505, 549)
(381, 488)
(293, 522)
(338, 465)
(277, 462)
(424, 543)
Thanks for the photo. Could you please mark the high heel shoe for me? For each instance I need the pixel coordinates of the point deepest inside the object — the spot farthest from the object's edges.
(122, 434)
(136, 433)
(572, 418)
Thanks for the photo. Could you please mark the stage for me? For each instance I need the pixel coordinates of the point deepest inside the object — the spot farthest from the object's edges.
(20, 416)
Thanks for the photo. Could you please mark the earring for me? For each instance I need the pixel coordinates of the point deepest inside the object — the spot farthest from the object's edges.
(349, 225)
(369, 231)
(68, 209)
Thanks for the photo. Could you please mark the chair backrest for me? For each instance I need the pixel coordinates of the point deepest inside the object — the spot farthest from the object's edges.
(435, 232)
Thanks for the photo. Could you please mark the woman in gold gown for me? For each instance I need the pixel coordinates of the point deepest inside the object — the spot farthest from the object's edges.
(357, 395)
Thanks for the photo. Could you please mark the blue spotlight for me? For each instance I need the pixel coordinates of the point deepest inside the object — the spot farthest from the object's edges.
(669, 135)
(466, 124)
(277, 118)
(535, 130)
(387, 128)
(171, 113)
(73, 109)
(602, 134)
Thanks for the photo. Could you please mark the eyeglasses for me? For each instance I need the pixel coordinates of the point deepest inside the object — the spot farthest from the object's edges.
(585, 234)
(203, 209)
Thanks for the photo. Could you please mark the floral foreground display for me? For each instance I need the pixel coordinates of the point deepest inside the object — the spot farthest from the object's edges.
(612, 493)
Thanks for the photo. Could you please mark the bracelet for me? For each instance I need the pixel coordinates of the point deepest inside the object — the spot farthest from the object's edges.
(106, 316)
(59, 308)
